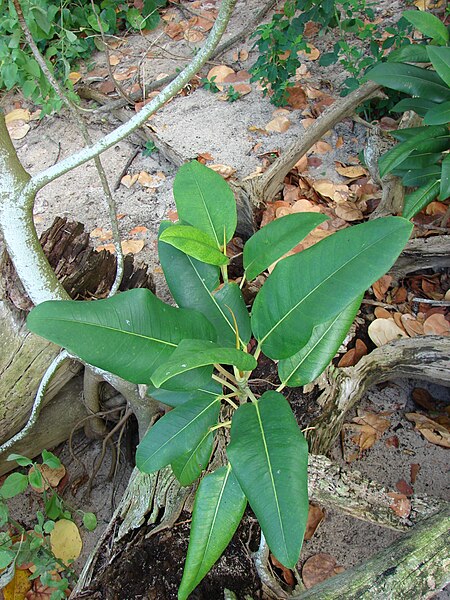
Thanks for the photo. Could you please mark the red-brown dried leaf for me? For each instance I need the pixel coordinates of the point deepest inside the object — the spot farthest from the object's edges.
(287, 574)
(318, 568)
(315, 518)
(415, 468)
(404, 487)
(400, 504)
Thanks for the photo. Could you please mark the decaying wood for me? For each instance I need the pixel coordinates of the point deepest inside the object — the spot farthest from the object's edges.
(423, 253)
(348, 491)
(24, 357)
(417, 565)
(421, 357)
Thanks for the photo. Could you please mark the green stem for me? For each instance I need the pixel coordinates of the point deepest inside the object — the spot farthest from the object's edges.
(225, 383)
(226, 374)
(219, 425)
(241, 285)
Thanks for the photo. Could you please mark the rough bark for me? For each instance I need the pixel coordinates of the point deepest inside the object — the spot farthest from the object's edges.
(421, 357)
(415, 566)
(423, 253)
(24, 357)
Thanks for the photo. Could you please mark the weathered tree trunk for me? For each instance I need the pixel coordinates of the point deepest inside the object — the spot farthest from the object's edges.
(24, 357)
(415, 566)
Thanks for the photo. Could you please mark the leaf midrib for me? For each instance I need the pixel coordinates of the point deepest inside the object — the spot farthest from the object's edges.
(89, 324)
(207, 211)
(322, 282)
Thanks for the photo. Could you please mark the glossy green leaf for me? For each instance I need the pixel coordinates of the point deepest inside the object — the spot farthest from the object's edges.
(419, 177)
(35, 478)
(49, 459)
(204, 200)
(428, 24)
(418, 199)
(313, 286)
(175, 398)
(415, 53)
(438, 115)
(218, 509)
(427, 140)
(14, 484)
(444, 191)
(193, 284)
(188, 467)
(195, 243)
(269, 456)
(440, 59)
(21, 460)
(420, 160)
(411, 80)
(418, 105)
(275, 239)
(130, 334)
(191, 354)
(176, 433)
(307, 364)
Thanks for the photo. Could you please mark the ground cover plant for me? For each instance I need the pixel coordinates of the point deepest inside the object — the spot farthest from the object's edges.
(299, 318)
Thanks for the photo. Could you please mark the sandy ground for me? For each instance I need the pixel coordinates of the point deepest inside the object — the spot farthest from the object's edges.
(200, 123)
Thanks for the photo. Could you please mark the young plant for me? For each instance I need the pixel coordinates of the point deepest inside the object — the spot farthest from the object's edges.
(199, 357)
(421, 158)
(232, 94)
(19, 546)
(149, 148)
(210, 84)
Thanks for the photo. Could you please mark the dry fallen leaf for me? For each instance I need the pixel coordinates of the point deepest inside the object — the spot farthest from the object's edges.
(193, 36)
(404, 487)
(320, 147)
(129, 180)
(383, 331)
(174, 31)
(352, 172)
(354, 355)
(146, 180)
(17, 129)
(225, 170)
(288, 575)
(279, 124)
(220, 72)
(296, 97)
(138, 229)
(436, 324)
(415, 468)
(400, 504)
(382, 313)
(51, 477)
(318, 568)
(18, 114)
(313, 53)
(315, 518)
(18, 587)
(242, 88)
(172, 215)
(370, 428)
(431, 430)
(412, 326)
(348, 211)
(65, 541)
(101, 234)
(74, 77)
(114, 60)
(381, 286)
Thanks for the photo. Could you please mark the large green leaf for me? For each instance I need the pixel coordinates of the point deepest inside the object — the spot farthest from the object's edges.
(192, 284)
(428, 24)
(191, 354)
(420, 160)
(415, 53)
(195, 243)
(130, 334)
(176, 433)
(419, 177)
(189, 466)
(411, 80)
(418, 199)
(438, 115)
(312, 359)
(419, 105)
(218, 509)
(444, 191)
(269, 456)
(275, 239)
(175, 398)
(205, 200)
(429, 139)
(440, 58)
(314, 285)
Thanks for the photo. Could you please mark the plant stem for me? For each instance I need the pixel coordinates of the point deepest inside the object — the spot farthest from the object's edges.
(225, 373)
(220, 425)
(225, 383)
(227, 399)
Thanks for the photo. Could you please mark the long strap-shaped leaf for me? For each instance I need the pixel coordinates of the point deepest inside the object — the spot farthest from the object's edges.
(192, 285)
(269, 456)
(188, 467)
(312, 359)
(130, 334)
(313, 286)
(218, 509)
(191, 354)
(176, 433)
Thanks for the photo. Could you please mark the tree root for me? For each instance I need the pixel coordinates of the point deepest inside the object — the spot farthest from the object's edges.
(421, 357)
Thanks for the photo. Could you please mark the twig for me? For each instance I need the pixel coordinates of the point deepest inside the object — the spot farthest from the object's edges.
(125, 169)
(430, 301)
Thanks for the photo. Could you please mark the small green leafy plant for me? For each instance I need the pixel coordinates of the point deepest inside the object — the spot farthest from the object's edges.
(19, 546)
(232, 94)
(149, 148)
(199, 357)
(422, 156)
(210, 84)
(64, 32)
(360, 42)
